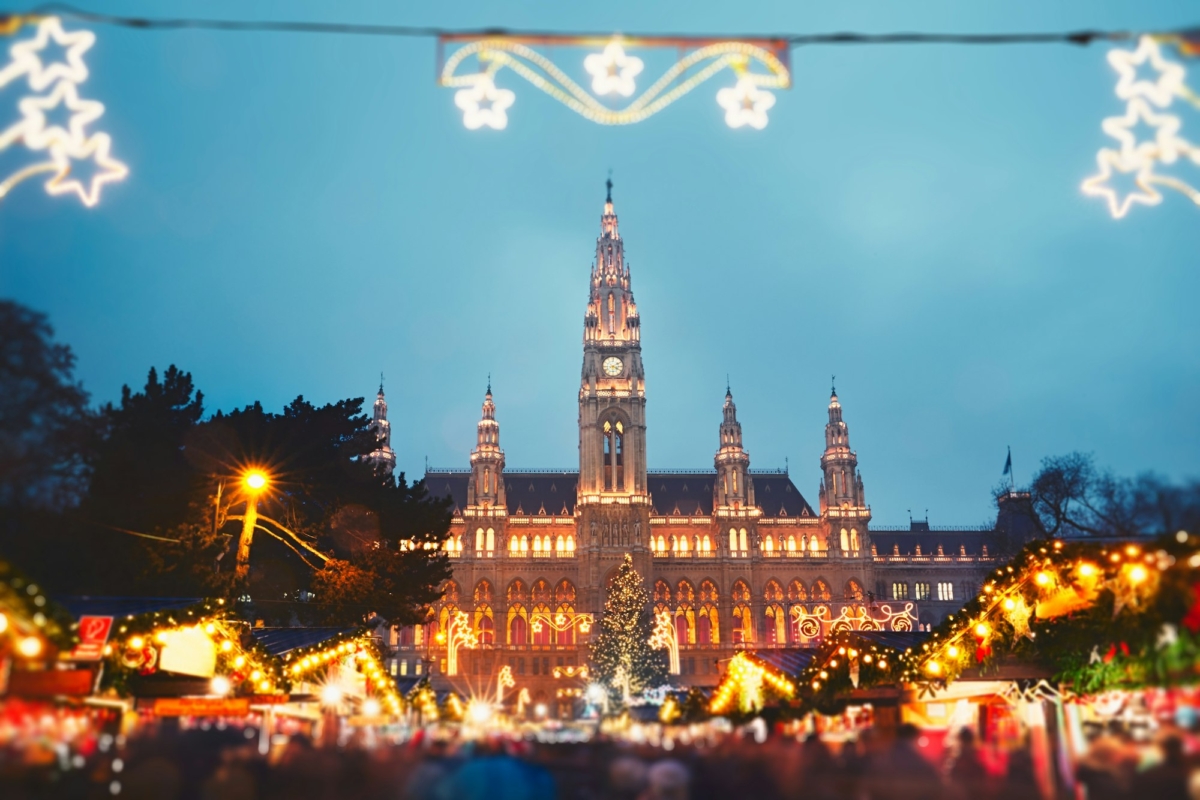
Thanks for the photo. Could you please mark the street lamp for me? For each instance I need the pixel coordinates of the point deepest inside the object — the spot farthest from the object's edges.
(253, 484)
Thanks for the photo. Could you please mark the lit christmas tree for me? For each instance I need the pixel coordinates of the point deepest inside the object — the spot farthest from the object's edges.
(622, 648)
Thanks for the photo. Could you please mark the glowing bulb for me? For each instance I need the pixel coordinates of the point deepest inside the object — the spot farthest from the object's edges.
(226, 646)
(952, 651)
(1009, 604)
(867, 658)
(3, 623)
(220, 685)
(331, 695)
(265, 686)
(981, 630)
(255, 480)
(1043, 579)
(882, 664)
(1138, 574)
(137, 642)
(933, 668)
(371, 708)
(1087, 570)
(30, 646)
(239, 662)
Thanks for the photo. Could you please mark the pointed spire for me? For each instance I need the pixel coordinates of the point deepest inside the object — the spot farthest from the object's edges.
(608, 183)
(728, 391)
(381, 384)
(489, 389)
(833, 386)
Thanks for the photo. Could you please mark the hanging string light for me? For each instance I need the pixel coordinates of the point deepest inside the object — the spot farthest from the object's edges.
(1166, 83)
(63, 147)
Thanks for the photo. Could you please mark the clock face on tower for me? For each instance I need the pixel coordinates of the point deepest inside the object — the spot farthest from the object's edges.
(613, 366)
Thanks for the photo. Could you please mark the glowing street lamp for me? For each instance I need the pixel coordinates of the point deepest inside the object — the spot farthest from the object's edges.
(254, 482)
(665, 636)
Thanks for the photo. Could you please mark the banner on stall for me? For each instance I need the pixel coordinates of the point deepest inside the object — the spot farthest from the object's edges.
(202, 706)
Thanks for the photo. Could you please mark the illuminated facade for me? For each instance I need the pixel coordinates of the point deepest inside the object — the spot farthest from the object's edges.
(737, 556)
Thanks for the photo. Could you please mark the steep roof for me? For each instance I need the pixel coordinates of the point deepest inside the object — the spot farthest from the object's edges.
(686, 493)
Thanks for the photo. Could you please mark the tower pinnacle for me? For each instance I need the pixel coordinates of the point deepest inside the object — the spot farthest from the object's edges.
(382, 457)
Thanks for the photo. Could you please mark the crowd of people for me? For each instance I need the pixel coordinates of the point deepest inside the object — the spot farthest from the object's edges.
(226, 764)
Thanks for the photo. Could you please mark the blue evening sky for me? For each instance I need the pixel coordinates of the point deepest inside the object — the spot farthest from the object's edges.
(306, 211)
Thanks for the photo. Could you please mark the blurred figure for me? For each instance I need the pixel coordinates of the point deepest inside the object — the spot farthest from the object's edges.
(627, 777)
(819, 770)
(1168, 780)
(967, 775)
(1020, 780)
(1105, 769)
(902, 773)
(668, 781)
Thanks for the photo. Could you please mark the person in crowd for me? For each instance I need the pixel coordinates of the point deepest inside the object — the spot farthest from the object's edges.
(1167, 780)
(966, 774)
(902, 773)
(1106, 770)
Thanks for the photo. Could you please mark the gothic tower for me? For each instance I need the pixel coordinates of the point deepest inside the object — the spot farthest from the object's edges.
(486, 489)
(733, 489)
(843, 501)
(383, 458)
(613, 496)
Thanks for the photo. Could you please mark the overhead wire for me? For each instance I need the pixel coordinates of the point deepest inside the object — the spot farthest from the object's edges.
(1081, 37)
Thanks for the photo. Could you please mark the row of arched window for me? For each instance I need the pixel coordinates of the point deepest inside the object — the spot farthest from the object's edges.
(485, 543)
(696, 612)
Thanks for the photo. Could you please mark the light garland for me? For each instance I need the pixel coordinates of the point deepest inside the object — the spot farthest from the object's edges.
(613, 72)
(357, 650)
(815, 622)
(64, 146)
(743, 683)
(664, 635)
(457, 634)
(1141, 159)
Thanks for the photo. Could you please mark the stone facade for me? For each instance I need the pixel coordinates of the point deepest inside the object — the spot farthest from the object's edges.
(737, 556)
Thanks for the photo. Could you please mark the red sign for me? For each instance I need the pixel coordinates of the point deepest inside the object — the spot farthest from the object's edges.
(51, 683)
(93, 634)
(202, 706)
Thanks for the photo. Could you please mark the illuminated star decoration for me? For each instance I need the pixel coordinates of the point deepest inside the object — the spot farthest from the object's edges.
(68, 144)
(612, 71)
(1168, 635)
(1018, 616)
(1140, 158)
(745, 104)
(483, 90)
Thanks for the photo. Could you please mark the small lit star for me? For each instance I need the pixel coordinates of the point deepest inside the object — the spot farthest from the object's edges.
(95, 149)
(83, 112)
(1161, 91)
(1097, 185)
(27, 61)
(612, 71)
(745, 104)
(493, 114)
(1166, 145)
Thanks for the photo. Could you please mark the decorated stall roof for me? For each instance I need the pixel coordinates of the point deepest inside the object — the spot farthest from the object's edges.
(278, 641)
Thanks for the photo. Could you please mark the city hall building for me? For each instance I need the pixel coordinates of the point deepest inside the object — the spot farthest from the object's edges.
(738, 557)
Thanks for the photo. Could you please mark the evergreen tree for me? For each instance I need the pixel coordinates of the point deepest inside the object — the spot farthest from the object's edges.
(622, 648)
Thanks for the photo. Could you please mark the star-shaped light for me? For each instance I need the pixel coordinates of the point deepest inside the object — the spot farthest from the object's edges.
(1168, 636)
(96, 148)
(612, 71)
(483, 90)
(1166, 145)
(745, 104)
(26, 58)
(1163, 89)
(1097, 185)
(83, 112)
(1018, 616)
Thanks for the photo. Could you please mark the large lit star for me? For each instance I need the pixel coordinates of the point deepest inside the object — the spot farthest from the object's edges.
(612, 71)
(95, 149)
(483, 90)
(1166, 145)
(26, 58)
(1163, 89)
(745, 104)
(1098, 185)
(83, 112)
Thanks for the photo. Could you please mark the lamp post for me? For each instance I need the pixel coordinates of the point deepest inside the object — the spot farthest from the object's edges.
(665, 636)
(253, 484)
(458, 634)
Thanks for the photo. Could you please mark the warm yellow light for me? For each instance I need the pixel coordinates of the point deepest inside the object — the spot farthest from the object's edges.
(1138, 574)
(1009, 604)
(867, 658)
(933, 668)
(952, 651)
(226, 646)
(240, 661)
(981, 630)
(3, 623)
(882, 664)
(1131, 550)
(1043, 579)
(1087, 570)
(255, 675)
(255, 480)
(220, 685)
(137, 643)
(210, 629)
(265, 686)
(30, 646)
(371, 708)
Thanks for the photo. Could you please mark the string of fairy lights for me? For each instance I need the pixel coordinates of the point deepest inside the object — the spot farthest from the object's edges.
(482, 62)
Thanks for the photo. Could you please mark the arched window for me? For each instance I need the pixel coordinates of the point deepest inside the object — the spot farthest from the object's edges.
(742, 539)
(854, 590)
(485, 626)
(813, 545)
(733, 540)
(796, 592)
(685, 613)
(490, 540)
(683, 544)
(791, 543)
(537, 544)
(487, 481)
(614, 452)
(542, 634)
(706, 544)
(518, 625)
(854, 540)
(564, 597)
(570, 543)
(768, 543)
(662, 544)
(743, 622)
(708, 623)
(845, 541)
(483, 592)
(524, 544)
(735, 489)
(478, 540)
(514, 544)
(560, 544)
(820, 591)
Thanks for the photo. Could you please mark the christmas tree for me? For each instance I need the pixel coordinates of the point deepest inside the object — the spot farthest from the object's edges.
(621, 652)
